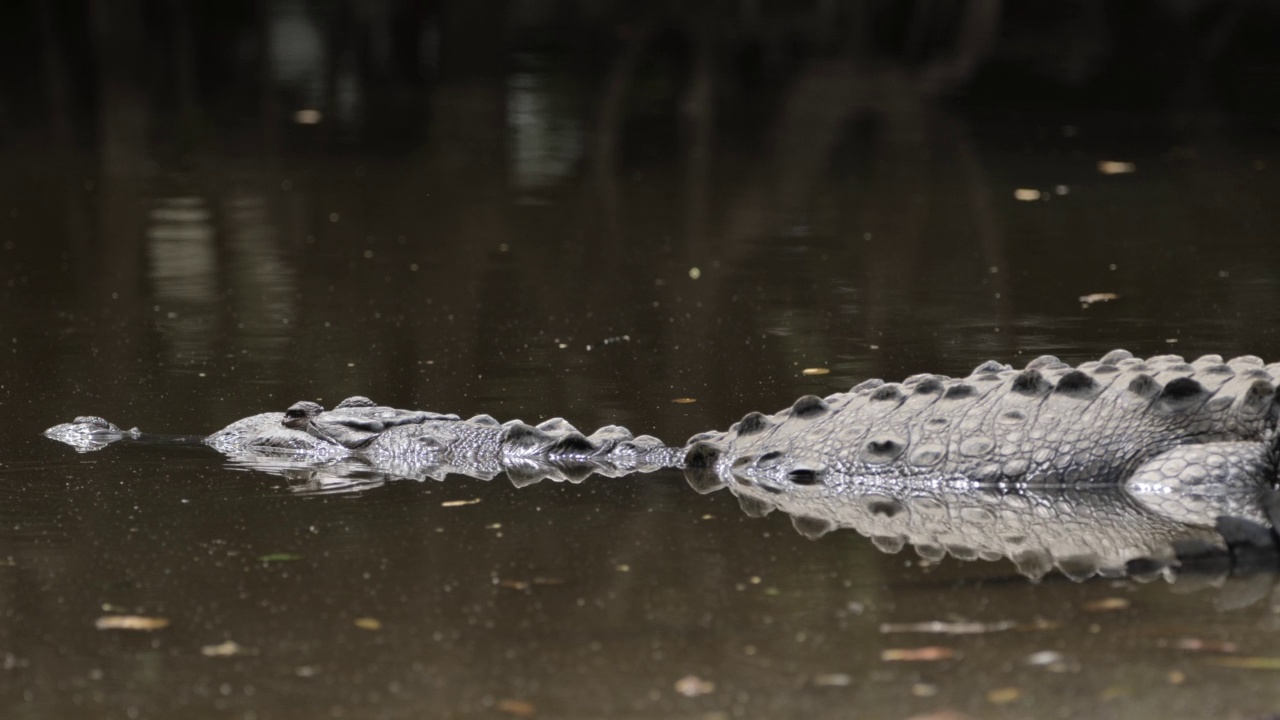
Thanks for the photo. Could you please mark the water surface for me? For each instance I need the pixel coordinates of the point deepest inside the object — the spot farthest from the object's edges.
(528, 249)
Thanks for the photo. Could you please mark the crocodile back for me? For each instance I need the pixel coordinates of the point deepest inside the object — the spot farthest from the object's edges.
(1048, 423)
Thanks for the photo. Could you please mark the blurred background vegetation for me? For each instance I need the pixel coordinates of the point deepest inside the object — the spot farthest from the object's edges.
(102, 72)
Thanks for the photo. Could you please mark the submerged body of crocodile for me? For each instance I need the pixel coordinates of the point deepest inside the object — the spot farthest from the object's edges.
(360, 436)
(1157, 425)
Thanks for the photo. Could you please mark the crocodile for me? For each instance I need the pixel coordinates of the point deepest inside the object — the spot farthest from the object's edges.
(1155, 426)
(358, 437)
(1161, 444)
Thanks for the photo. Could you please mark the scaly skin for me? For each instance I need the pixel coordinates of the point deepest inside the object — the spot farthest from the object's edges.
(1084, 468)
(1160, 424)
(361, 438)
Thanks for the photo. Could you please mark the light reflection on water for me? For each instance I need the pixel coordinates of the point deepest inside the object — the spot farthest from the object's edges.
(183, 270)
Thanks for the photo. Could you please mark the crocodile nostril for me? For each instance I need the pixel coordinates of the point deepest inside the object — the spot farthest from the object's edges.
(804, 476)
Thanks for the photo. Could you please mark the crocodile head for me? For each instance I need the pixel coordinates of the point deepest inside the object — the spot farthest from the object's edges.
(88, 433)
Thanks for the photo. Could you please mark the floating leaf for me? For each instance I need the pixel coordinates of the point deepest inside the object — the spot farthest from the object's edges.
(929, 653)
(224, 649)
(279, 557)
(519, 708)
(1107, 604)
(684, 400)
(1045, 657)
(368, 623)
(815, 371)
(1199, 645)
(1247, 663)
(1116, 167)
(1003, 696)
(459, 503)
(921, 689)
(131, 622)
(832, 680)
(948, 628)
(1091, 298)
(1026, 194)
(693, 686)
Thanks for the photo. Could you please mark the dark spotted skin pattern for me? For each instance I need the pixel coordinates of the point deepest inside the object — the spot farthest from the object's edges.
(1157, 424)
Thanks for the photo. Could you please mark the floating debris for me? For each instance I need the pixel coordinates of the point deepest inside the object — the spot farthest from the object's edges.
(278, 557)
(1247, 663)
(1026, 194)
(921, 689)
(368, 623)
(1045, 657)
(832, 680)
(815, 371)
(1091, 298)
(693, 686)
(223, 649)
(948, 628)
(519, 708)
(1176, 677)
(1003, 696)
(1199, 645)
(929, 653)
(131, 622)
(1107, 604)
(684, 400)
(1116, 167)
(1053, 661)
(459, 503)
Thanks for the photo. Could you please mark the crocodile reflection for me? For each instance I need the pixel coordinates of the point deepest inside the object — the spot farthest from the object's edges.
(1082, 531)
(356, 474)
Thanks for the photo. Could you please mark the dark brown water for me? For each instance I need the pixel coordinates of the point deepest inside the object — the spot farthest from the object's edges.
(532, 246)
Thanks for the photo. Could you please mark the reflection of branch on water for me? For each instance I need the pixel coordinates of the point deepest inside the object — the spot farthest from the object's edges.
(608, 128)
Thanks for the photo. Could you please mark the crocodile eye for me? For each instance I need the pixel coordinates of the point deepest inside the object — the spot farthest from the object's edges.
(294, 413)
